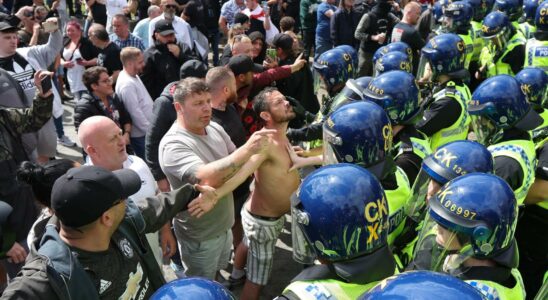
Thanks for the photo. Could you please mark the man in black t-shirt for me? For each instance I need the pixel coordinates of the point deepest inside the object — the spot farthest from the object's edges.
(94, 246)
(109, 54)
(406, 32)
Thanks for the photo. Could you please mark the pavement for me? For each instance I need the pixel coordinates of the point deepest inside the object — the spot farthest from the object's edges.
(284, 268)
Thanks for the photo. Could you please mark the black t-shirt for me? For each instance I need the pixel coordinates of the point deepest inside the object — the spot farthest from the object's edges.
(230, 120)
(117, 273)
(99, 13)
(110, 58)
(408, 34)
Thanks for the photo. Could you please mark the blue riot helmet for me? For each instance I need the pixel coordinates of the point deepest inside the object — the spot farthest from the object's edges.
(498, 103)
(437, 12)
(333, 68)
(530, 9)
(398, 94)
(395, 46)
(497, 30)
(474, 215)
(392, 61)
(342, 211)
(192, 288)
(447, 163)
(534, 84)
(353, 54)
(476, 8)
(512, 8)
(359, 133)
(457, 16)
(352, 91)
(443, 54)
(541, 17)
(424, 285)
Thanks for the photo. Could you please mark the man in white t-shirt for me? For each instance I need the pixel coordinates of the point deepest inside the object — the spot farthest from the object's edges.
(105, 146)
(181, 27)
(133, 93)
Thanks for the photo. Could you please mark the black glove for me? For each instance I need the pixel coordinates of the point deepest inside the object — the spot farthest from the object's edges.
(297, 107)
(326, 105)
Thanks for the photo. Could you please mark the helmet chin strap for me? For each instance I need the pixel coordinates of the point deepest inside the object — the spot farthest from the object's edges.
(453, 262)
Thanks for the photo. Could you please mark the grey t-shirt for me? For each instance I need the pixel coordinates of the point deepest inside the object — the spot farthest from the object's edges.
(180, 154)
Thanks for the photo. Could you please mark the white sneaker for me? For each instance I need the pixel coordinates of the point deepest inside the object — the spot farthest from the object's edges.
(66, 141)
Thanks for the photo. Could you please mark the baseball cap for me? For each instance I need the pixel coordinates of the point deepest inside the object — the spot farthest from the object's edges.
(193, 68)
(83, 194)
(4, 26)
(283, 40)
(241, 64)
(163, 27)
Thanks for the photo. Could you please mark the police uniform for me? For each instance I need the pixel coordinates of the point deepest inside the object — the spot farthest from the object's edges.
(527, 29)
(451, 98)
(536, 54)
(510, 288)
(540, 133)
(344, 280)
(515, 161)
(502, 65)
(412, 147)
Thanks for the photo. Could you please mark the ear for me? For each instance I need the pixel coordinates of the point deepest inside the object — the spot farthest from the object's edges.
(178, 107)
(94, 86)
(265, 116)
(90, 150)
(107, 218)
(241, 77)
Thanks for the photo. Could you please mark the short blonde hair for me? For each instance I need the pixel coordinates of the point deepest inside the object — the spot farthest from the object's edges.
(129, 54)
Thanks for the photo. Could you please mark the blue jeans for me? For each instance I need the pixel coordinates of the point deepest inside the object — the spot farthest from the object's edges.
(322, 45)
(138, 145)
(59, 126)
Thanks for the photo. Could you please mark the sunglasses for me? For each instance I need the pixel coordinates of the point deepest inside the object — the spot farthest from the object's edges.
(171, 6)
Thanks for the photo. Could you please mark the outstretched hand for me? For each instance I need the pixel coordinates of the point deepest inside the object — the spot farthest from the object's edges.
(204, 202)
(299, 162)
(260, 140)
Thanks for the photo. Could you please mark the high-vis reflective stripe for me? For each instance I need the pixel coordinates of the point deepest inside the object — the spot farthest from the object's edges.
(421, 147)
(478, 41)
(458, 130)
(494, 291)
(540, 133)
(524, 153)
(397, 200)
(328, 289)
(536, 54)
(527, 29)
(499, 67)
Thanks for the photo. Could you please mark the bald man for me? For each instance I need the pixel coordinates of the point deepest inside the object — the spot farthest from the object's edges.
(406, 32)
(105, 146)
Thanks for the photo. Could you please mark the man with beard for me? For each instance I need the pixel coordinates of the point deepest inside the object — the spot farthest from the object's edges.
(135, 97)
(263, 215)
(163, 58)
(180, 26)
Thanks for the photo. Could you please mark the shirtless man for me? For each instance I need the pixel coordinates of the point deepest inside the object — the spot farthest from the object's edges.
(263, 214)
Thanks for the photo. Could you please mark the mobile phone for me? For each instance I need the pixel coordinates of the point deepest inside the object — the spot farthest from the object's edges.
(264, 5)
(79, 60)
(45, 83)
(50, 27)
(271, 53)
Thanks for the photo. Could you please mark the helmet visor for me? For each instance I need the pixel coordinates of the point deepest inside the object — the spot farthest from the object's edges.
(440, 249)
(425, 73)
(415, 208)
(484, 129)
(318, 81)
(302, 252)
(330, 140)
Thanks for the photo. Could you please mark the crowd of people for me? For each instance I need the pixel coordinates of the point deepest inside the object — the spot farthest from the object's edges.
(405, 140)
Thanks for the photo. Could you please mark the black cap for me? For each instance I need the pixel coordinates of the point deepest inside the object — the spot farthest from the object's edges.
(163, 27)
(241, 64)
(193, 68)
(283, 40)
(83, 194)
(5, 26)
(240, 18)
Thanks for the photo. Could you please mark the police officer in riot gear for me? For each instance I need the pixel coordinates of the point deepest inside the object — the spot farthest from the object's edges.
(527, 22)
(536, 49)
(534, 84)
(192, 288)
(501, 118)
(469, 233)
(504, 52)
(442, 69)
(457, 19)
(392, 61)
(343, 213)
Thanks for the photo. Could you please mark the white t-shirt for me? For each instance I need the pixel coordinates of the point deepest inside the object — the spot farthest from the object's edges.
(181, 27)
(138, 103)
(74, 74)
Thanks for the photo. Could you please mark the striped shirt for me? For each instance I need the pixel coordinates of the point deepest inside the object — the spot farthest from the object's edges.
(131, 41)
